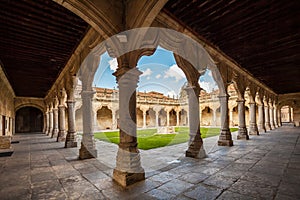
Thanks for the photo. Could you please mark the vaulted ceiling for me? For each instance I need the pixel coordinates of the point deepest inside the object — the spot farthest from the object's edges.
(37, 39)
(262, 36)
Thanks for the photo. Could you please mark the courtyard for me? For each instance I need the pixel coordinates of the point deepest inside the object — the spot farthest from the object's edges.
(264, 167)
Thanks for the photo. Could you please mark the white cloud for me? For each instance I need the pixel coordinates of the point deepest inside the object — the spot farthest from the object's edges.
(171, 93)
(208, 86)
(158, 76)
(148, 78)
(175, 72)
(113, 64)
(148, 72)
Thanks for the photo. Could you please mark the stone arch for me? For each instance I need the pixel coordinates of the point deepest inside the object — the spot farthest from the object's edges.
(162, 119)
(104, 118)
(29, 119)
(235, 116)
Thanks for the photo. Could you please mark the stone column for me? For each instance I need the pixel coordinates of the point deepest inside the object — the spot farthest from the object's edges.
(253, 130)
(70, 138)
(231, 117)
(156, 118)
(267, 117)
(261, 118)
(88, 148)
(47, 123)
(55, 123)
(168, 117)
(144, 119)
(50, 121)
(275, 117)
(271, 110)
(114, 119)
(225, 138)
(61, 133)
(177, 118)
(195, 148)
(279, 117)
(289, 114)
(242, 132)
(214, 123)
(128, 168)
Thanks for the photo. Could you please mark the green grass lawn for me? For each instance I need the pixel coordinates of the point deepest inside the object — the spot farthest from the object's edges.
(148, 139)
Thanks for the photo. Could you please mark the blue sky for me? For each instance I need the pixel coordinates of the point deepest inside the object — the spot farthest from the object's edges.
(160, 73)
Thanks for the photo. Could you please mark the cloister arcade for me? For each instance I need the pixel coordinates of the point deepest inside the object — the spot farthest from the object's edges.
(252, 105)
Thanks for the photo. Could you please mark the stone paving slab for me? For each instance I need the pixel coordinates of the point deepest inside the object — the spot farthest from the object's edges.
(264, 167)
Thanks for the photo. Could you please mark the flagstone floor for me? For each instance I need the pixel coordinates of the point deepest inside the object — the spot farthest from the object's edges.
(265, 167)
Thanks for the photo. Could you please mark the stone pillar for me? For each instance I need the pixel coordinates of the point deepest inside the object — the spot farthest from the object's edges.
(231, 117)
(88, 148)
(253, 130)
(271, 110)
(47, 123)
(177, 118)
(114, 119)
(61, 125)
(225, 138)
(261, 118)
(214, 123)
(267, 117)
(279, 117)
(168, 117)
(275, 117)
(50, 121)
(242, 132)
(156, 118)
(70, 138)
(55, 123)
(195, 148)
(128, 168)
(144, 119)
(289, 115)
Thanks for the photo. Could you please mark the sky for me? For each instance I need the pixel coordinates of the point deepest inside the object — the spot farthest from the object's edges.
(160, 74)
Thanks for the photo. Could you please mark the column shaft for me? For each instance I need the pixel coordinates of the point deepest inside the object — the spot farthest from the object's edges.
(195, 148)
(242, 132)
(261, 119)
(55, 123)
(144, 119)
(50, 122)
(70, 138)
(271, 117)
(128, 168)
(62, 125)
(267, 118)
(88, 148)
(225, 138)
(177, 118)
(253, 130)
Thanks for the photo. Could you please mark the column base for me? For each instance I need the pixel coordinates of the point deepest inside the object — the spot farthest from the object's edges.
(253, 130)
(125, 178)
(70, 144)
(85, 153)
(268, 127)
(225, 138)
(195, 154)
(228, 143)
(54, 133)
(61, 136)
(242, 134)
